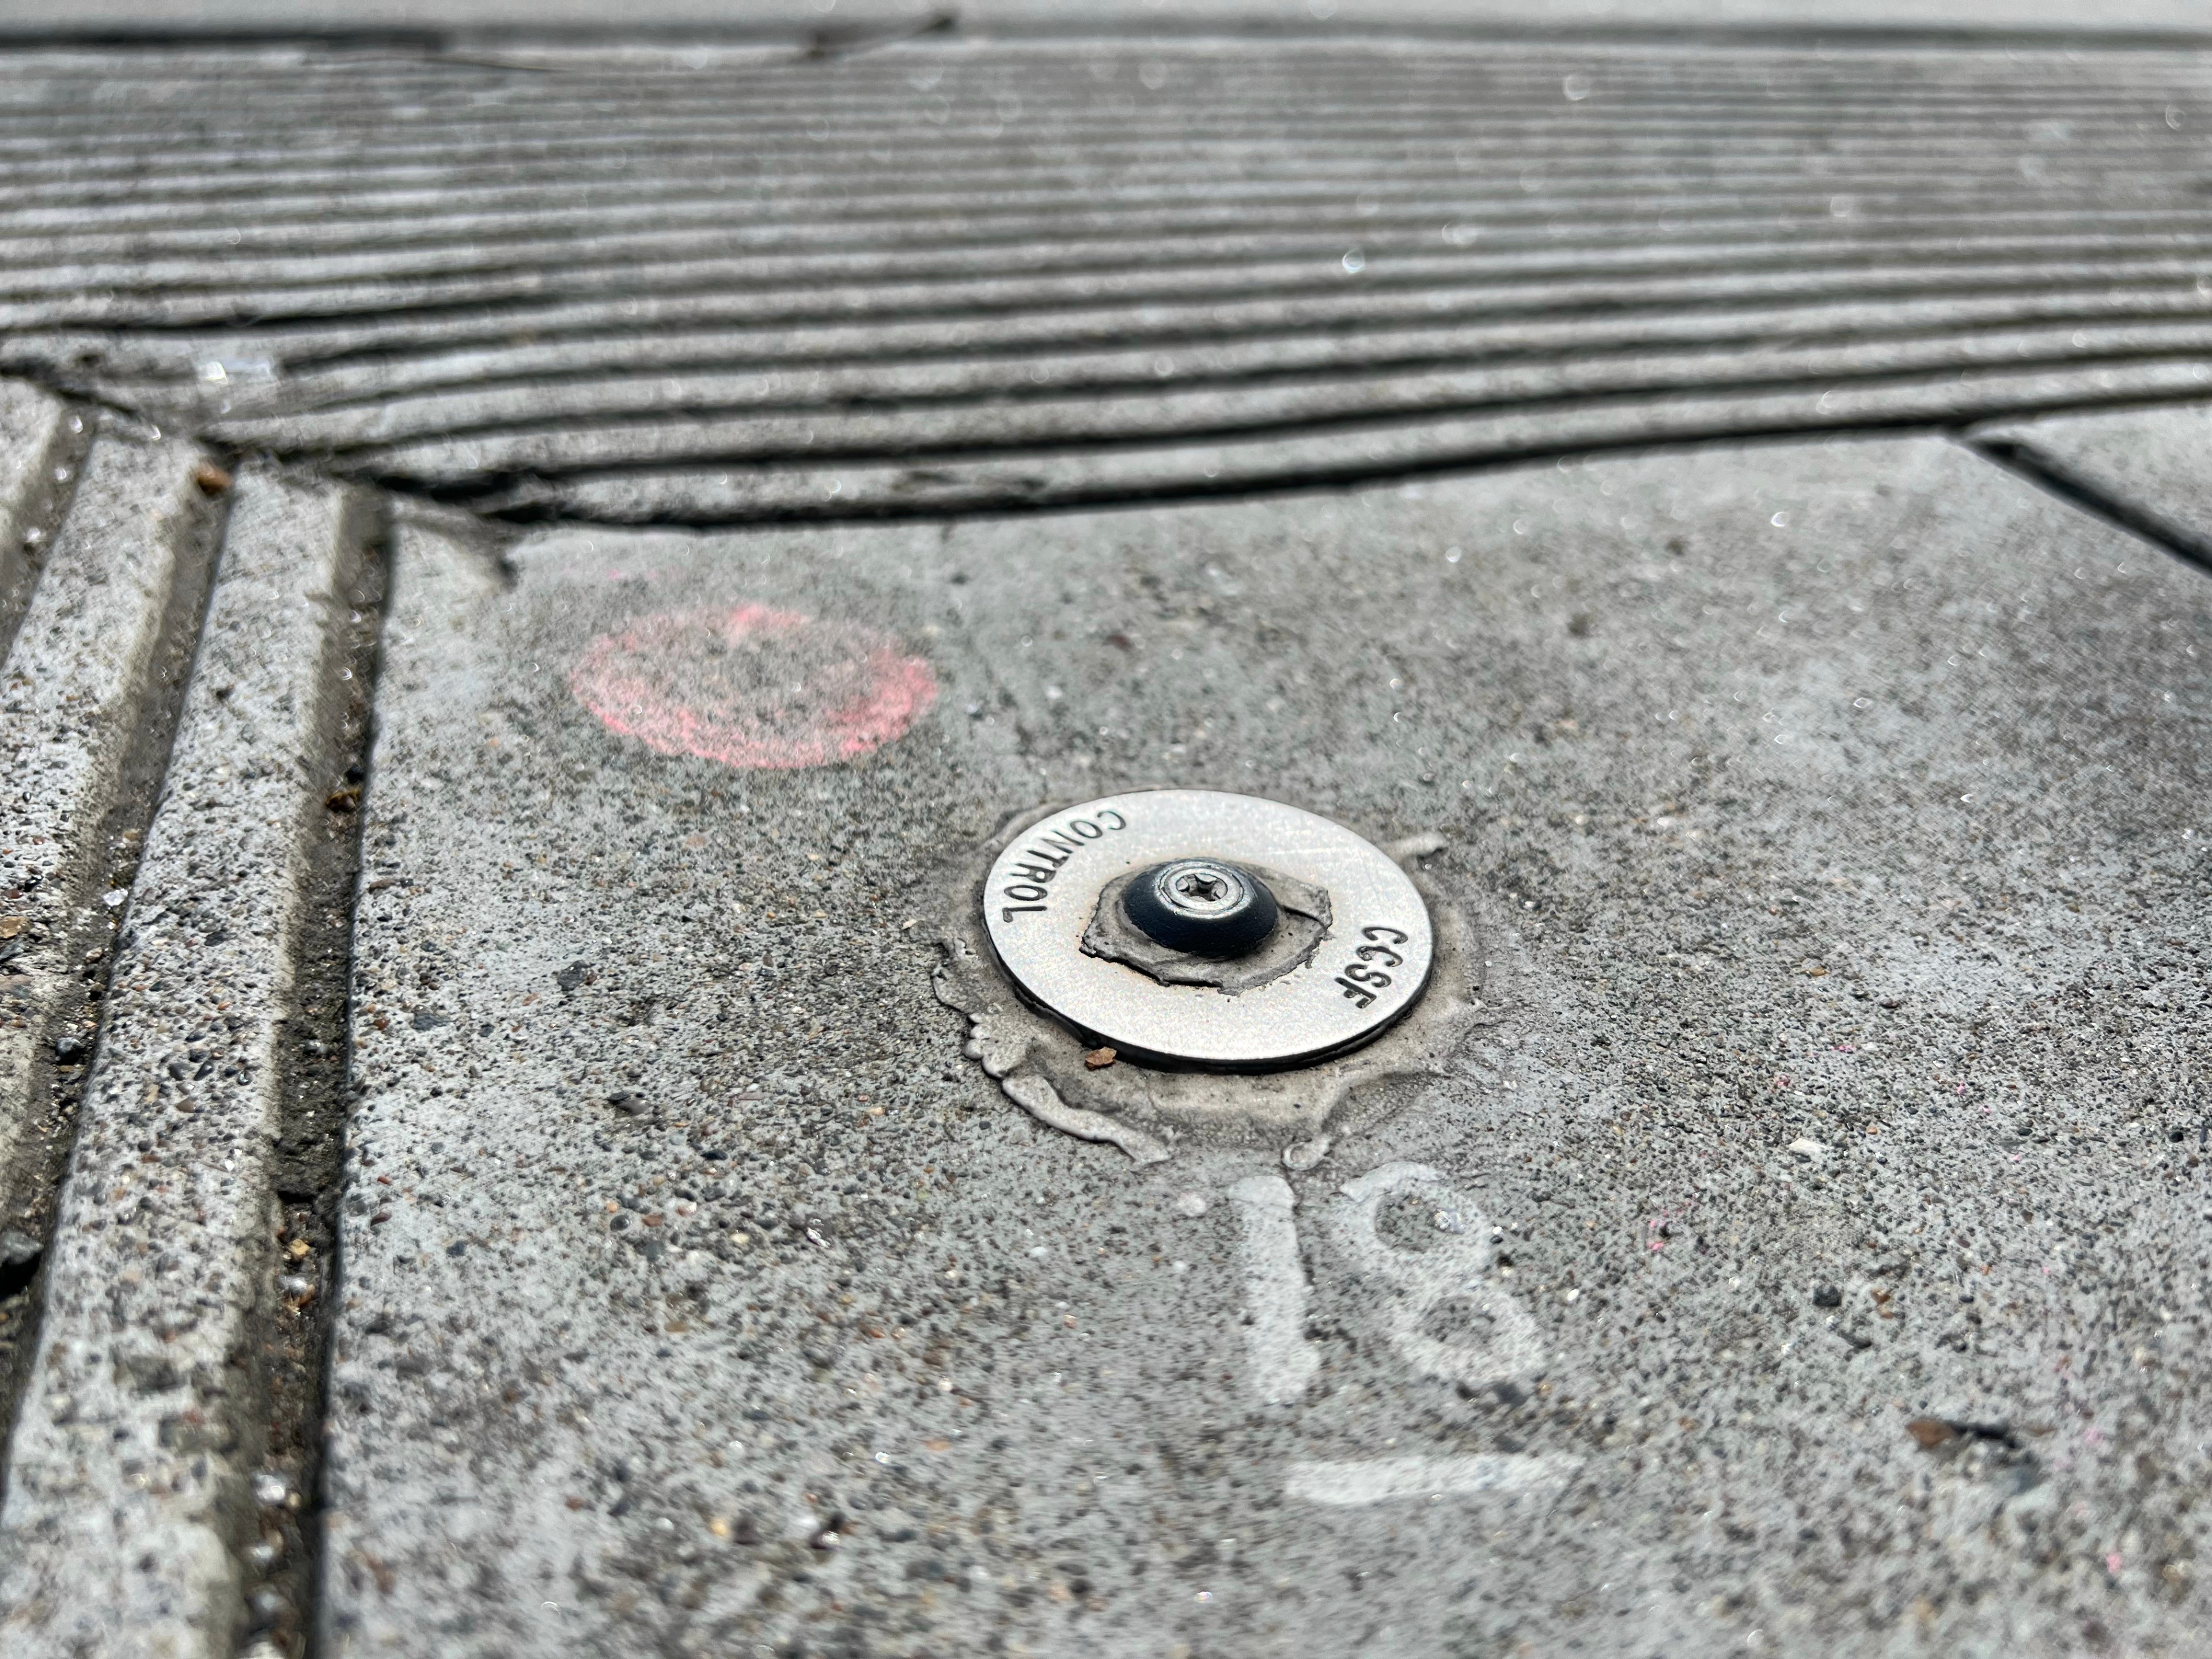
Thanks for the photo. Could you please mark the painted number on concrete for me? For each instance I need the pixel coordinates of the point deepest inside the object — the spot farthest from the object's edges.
(1446, 1317)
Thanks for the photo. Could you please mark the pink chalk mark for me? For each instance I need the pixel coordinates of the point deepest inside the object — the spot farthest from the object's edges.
(753, 687)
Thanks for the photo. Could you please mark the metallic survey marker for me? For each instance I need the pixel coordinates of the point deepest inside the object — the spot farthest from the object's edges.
(1132, 918)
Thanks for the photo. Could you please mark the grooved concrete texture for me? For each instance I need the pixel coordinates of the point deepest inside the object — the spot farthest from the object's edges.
(1815, 1249)
(807, 17)
(74, 699)
(128, 1501)
(724, 282)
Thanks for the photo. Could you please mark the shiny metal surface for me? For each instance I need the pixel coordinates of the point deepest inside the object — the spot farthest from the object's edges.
(1368, 970)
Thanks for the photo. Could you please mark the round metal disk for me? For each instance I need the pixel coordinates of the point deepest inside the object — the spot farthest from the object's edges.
(1368, 969)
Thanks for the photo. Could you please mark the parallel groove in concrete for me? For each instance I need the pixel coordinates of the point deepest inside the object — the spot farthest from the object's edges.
(1103, 476)
(466, 393)
(73, 686)
(436, 578)
(952, 275)
(543, 442)
(491, 188)
(474, 250)
(127, 1486)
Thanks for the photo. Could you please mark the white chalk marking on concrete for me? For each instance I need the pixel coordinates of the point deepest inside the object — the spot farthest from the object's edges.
(1283, 1362)
(1502, 1341)
(1349, 1485)
(73, 686)
(130, 1466)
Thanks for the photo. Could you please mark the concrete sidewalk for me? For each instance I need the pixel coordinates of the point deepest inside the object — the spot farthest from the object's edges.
(546, 1170)
(1830, 817)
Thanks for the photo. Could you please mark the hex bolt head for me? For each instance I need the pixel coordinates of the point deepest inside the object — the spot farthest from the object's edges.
(1206, 907)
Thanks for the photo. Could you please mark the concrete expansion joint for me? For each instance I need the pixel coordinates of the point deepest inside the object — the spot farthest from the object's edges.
(2015, 447)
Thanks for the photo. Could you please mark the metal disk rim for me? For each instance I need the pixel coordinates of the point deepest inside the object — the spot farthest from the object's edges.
(1045, 881)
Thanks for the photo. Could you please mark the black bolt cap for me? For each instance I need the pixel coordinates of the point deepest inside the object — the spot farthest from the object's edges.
(1204, 906)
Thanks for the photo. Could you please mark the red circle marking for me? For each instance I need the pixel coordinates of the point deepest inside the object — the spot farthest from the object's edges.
(754, 687)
